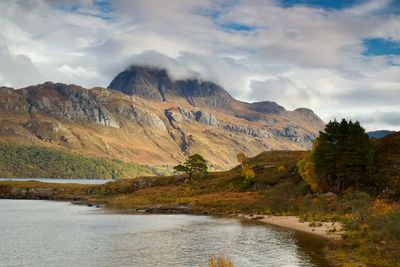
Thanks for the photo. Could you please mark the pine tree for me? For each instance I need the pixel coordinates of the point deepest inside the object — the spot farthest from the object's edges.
(194, 164)
(343, 155)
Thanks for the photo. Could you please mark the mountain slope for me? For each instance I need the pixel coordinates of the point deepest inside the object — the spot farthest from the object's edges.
(148, 118)
(379, 134)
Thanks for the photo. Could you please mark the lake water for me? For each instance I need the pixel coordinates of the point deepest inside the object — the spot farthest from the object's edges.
(56, 180)
(49, 233)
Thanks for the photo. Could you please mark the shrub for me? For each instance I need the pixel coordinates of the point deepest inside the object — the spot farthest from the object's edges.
(220, 261)
(281, 169)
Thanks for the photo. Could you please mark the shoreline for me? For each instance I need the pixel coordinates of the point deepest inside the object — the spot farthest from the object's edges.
(84, 194)
(329, 230)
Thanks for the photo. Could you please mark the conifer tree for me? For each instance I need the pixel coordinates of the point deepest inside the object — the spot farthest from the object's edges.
(194, 164)
(343, 155)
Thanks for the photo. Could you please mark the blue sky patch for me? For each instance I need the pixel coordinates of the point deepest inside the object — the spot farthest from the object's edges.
(237, 27)
(325, 4)
(70, 7)
(103, 6)
(381, 47)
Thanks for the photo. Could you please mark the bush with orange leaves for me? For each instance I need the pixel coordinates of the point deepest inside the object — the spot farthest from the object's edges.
(381, 207)
(220, 261)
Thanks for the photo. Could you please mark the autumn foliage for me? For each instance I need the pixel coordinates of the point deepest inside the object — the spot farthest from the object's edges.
(247, 170)
(220, 261)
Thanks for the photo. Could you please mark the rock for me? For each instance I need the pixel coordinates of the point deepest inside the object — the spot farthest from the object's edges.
(72, 102)
(309, 137)
(186, 115)
(290, 133)
(64, 139)
(248, 130)
(31, 193)
(142, 116)
(173, 115)
(309, 115)
(12, 101)
(206, 118)
(147, 119)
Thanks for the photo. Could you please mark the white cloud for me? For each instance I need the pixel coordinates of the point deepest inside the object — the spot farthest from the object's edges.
(17, 70)
(298, 56)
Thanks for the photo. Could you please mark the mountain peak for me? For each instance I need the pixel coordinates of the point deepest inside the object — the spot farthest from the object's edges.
(156, 84)
(146, 82)
(152, 83)
(268, 107)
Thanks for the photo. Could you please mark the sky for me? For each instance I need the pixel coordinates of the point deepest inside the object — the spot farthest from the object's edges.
(341, 58)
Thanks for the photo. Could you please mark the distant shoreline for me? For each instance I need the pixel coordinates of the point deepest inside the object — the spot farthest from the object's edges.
(60, 180)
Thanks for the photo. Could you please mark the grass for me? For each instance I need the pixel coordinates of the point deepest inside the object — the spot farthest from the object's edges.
(217, 192)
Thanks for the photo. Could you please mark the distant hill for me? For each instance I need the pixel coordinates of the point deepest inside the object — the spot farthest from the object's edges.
(146, 117)
(35, 161)
(379, 134)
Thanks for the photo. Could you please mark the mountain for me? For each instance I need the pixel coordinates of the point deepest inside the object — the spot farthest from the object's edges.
(379, 134)
(144, 116)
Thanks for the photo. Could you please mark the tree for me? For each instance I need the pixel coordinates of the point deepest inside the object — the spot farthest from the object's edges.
(248, 173)
(247, 170)
(307, 171)
(343, 155)
(242, 158)
(194, 164)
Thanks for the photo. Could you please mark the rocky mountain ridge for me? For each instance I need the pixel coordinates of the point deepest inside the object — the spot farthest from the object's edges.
(146, 117)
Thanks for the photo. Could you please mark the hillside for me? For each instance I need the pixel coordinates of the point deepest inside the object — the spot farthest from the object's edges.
(213, 193)
(147, 118)
(35, 161)
(379, 134)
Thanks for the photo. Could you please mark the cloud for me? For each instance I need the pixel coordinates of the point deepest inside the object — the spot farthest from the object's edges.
(370, 97)
(297, 55)
(387, 120)
(282, 90)
(17, 70)
(221, 70)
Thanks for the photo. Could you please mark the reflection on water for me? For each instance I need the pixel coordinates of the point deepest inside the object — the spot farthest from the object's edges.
(62, 181)
(45, 233)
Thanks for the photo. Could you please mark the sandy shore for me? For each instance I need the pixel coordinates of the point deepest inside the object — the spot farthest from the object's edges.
(323, 229)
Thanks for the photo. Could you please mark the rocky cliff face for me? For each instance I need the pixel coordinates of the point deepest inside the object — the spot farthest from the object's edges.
(147, 117)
